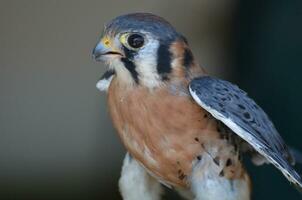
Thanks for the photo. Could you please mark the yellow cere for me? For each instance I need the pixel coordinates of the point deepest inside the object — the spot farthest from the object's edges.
(106, 41)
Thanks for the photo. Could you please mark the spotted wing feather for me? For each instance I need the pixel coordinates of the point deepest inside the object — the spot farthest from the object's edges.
(229, 104)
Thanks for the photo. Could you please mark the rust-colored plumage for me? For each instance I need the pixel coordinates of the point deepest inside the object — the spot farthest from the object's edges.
(184, 128)
(168, 132)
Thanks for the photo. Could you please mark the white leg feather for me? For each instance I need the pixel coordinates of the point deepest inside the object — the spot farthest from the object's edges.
(206, 184)
(136, 184)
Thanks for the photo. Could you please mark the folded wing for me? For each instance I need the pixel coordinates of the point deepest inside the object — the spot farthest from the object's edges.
(231, 105)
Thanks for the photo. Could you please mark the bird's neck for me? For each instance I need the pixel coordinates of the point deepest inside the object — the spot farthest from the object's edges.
(184, 66)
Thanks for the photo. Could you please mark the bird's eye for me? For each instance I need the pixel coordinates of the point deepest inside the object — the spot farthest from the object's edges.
(135, 40)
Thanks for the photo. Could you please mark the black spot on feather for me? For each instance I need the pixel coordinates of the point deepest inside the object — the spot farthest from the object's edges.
(216, 160)
(218, 129)
(241, 106)
(228, 162)
(182, 176)
(247, 115)
(221, 173)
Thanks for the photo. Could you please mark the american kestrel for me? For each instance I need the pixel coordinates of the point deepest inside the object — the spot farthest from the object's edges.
(181, 127)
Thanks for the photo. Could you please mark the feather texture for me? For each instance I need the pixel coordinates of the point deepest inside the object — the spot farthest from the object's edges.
(231, 105)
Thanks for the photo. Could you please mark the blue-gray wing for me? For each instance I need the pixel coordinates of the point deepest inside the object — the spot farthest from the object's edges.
(229, 104)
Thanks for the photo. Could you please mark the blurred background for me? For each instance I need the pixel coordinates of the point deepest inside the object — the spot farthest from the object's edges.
(56, 138)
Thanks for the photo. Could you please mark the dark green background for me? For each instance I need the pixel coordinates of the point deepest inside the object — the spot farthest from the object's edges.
(269, 66)
(56, 139)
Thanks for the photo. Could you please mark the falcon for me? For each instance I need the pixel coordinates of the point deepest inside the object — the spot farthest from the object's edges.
(181, 127)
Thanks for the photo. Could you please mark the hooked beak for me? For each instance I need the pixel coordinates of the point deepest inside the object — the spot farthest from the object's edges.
(104, 49)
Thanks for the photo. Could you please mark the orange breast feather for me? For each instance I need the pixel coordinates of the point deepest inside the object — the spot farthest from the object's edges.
(164, 132)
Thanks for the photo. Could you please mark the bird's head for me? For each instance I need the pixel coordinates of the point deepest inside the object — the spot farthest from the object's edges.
(143, 49)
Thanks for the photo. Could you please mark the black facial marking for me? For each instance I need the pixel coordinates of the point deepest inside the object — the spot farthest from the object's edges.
(205, 116)
(188, 58)
(164, 57)
(196, 139)
(129, 53)
(199, 157)
(131, 68)
(107, 74)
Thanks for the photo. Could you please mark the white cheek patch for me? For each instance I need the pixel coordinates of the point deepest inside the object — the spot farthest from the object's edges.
(146, 64)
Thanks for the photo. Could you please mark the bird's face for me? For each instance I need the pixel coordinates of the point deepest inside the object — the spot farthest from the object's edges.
(138, 47)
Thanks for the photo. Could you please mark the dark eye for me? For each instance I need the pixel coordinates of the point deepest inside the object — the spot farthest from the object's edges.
(135, 41)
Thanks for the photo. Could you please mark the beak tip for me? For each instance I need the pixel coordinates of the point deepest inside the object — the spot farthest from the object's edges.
(93, 54)
(97, 51)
